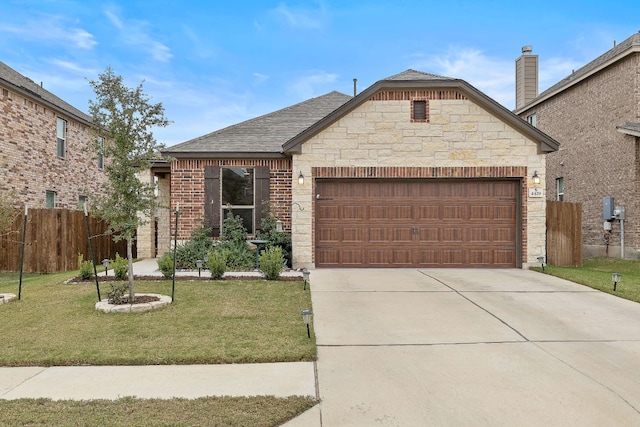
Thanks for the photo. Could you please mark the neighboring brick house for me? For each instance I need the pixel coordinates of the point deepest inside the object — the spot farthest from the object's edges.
(595, 115)
(417, 170)
(44, 141)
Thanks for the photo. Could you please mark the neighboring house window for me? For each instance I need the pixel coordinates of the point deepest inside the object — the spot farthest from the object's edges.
(560, 188)
(100, 152)
(533, 120)
(82, 201)
(50, 199)
(241, 190)
(419, 110)
(62, 137)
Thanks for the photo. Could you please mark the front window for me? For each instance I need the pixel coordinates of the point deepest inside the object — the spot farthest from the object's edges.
(560, 188)
(61, 138)
(533, 120)
(238, 195)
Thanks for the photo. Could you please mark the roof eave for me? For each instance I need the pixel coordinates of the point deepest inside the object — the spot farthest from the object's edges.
(222, 155)
(30, 95)
(546, 96)
(629, 130)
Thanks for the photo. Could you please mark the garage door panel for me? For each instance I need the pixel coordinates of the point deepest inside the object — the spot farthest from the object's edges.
(403, 234)
(379, 212)
(352, 257)
(353, 235)
(454, 212)
(379, 235)
(419, 223)
(451, 234)
(426, 213)
(351, 212)
(329, 235)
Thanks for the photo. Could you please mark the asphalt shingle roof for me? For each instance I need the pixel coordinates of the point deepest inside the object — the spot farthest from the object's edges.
(28, 87)
(264, 134)
(577, 75)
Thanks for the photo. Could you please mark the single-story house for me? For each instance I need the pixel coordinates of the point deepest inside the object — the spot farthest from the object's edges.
(418, 170)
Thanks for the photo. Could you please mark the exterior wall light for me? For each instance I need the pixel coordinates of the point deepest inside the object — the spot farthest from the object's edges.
(615, 278)
(306, 318)
(536, 178)
(301, 178)
(305, 276)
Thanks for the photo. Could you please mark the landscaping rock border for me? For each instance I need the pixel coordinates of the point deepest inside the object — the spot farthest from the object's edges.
(105, 307)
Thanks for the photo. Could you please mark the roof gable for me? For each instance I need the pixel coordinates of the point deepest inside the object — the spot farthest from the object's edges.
(29, 88)
(263, 135)
(412, 79)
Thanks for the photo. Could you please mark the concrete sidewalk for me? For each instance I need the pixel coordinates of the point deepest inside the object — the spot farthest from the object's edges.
(158, 381)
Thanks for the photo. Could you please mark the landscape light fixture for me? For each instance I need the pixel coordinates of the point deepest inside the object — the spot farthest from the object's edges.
(306, 318)
(199, 265)
(536, 178)
(305, 276)
(106, 262)
(541, 261)
(279, 226)
(301, 179)
(615, 278)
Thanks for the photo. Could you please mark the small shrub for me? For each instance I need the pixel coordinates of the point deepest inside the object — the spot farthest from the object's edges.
(194, 249)
(271, 260)
(120, 267)
(116, 294)
(238, 255)
(217, 264)
(232, 229)
(165, 265)
(269, 232)
(86, 270)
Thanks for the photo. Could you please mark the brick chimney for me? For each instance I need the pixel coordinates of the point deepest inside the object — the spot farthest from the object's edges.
(526, 77)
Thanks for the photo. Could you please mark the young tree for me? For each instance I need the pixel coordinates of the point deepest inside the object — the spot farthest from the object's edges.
(123, 119)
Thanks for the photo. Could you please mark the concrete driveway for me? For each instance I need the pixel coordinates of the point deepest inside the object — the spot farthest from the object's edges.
(452, 347)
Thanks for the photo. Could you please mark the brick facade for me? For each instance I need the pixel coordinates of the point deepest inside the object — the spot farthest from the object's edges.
(378, 139)
(594, 159)
(187, 189)
(29, 164)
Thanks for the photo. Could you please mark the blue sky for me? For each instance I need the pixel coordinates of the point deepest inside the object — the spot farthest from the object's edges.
(216, 63)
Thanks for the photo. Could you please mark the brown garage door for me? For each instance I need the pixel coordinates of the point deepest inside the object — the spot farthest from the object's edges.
(416, 223)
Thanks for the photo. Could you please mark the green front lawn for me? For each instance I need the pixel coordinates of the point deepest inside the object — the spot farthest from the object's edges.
(243, 321)
(596, 273)
(248, 321)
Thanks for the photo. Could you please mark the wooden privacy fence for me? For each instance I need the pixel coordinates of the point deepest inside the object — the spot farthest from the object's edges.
(54, 239)
(564, 234)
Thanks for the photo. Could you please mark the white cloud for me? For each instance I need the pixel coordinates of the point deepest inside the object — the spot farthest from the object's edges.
(135, 33)
(301, 18)
(309, 86)
(51, 29)
(492, 75)
(260, 78)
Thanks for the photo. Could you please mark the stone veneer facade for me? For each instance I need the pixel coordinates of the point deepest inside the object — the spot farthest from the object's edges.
(29, 164)
(594, 159)
(459, 140)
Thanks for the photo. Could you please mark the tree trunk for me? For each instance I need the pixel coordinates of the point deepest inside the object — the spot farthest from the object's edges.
(132, 293)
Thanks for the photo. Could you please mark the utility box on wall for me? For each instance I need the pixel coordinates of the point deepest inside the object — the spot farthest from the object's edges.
(608, 206)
